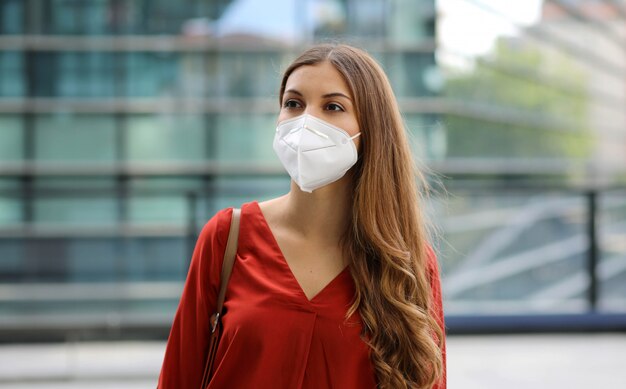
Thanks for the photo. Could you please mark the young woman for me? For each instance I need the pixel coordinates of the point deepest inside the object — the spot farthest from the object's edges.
(334, 284)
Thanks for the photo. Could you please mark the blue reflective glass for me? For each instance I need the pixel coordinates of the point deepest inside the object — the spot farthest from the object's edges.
(244, 74)
(165, 210)
(410, 22)
(153, 74)
(11, 259)
(12, 83)
(165, 138)
(75, 210)
(11, 202)
(157, 259)
(611, 270)
(74, 74)
(408, 78)
(11, 16)
(11, 138)
(67, 137)
(92, 17)
(100, 260)
(245, 138)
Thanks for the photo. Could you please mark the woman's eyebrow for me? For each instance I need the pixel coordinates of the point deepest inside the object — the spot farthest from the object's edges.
(327, 95)
(336, 94)
(295, 92)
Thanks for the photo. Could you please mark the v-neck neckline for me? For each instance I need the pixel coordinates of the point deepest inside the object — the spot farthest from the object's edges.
(283, 261)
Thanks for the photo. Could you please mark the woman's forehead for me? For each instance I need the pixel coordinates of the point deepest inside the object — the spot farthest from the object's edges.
(320, 78)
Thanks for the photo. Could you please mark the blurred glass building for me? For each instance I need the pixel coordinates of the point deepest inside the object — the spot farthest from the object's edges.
(126, 124)
(536, 127)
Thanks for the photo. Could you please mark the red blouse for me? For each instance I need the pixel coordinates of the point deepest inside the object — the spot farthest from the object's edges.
(273, 335)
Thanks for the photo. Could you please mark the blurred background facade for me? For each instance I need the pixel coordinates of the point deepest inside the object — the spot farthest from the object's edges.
(126, 124)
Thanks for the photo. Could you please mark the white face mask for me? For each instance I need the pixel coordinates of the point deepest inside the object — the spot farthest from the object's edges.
(314, 152)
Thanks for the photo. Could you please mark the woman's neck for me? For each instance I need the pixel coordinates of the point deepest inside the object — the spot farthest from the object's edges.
(322, 215)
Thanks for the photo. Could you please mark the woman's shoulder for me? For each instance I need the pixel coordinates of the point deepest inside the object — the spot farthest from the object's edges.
(217, 227)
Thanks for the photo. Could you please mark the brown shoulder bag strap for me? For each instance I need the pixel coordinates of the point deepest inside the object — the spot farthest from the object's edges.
(229, 257)
(227, 267)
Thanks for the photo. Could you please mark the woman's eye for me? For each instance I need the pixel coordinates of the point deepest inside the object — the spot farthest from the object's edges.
(291, 104)
(334, 107)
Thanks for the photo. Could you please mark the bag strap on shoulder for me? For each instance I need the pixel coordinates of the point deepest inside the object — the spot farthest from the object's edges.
(227, 267)
(229, 257)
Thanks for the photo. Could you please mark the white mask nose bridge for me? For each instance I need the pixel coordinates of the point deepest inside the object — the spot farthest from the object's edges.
(313, 130)
(316, 132)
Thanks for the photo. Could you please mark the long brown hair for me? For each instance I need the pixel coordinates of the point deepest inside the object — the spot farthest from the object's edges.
(386, 243)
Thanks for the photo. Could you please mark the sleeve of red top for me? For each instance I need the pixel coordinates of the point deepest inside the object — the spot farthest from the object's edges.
(185, 352)
(437, 307)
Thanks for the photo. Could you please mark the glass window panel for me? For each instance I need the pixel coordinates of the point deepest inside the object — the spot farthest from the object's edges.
(67, 137)
(368, 18)
(243, 74)
(10, 202)
(11, 16)
(11, 138)
(81, 17)
(158, 210)
(95, 260)
(11, 255)
(411, 22)
(97, 16)
(10, 184)
(10, 210)
(52, 259)
(44, 259)
(153, 74)
(74, 210)
(246, 138)
(86, 74)
(611, 269)
(513, 253)
(157, 259)
(169, 17)
(179, 190)
(87, 201)
(191, 78)
(66, 16)
(410, 72)
(11, 74)
(45, 74)
(166, 137)
(74, 74)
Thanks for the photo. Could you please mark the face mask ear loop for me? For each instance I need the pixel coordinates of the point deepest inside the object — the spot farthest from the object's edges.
(356, 136)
